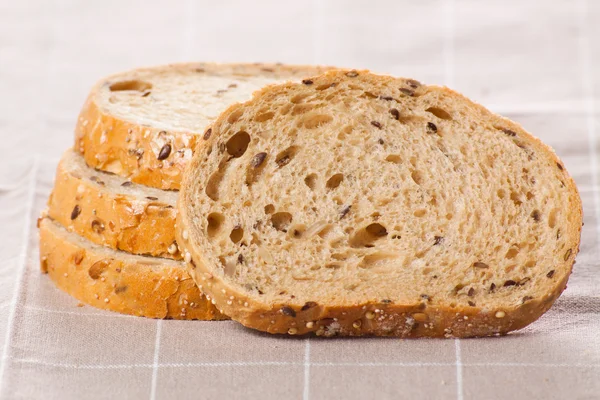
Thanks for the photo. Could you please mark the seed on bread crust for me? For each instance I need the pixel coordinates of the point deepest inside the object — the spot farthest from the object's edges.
(480, 264)
(307, 305)
(164, 153)
(207, 134)
(76, 211)
(376, 124)
(431, 127)
(307, 81)
(288, 311)
(352, 74)
(395, 113)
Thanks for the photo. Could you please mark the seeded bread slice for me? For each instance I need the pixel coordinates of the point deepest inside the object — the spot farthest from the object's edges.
(118, 281)
(143, 124)
(112, 211)
(357, 204)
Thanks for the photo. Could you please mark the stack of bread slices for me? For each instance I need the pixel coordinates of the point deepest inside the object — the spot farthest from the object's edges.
(108, 235)
(306, 200)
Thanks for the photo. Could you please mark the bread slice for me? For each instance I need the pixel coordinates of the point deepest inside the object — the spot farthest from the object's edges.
(118, 281)
(143, 124)
(112, 211)
(356, 204)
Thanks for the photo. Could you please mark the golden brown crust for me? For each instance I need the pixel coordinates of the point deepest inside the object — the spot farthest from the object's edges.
(87, 203)
(132, 150)
(135, 285)
(421, 319)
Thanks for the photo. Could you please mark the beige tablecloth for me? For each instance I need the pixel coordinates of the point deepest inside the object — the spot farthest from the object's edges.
(537, 62)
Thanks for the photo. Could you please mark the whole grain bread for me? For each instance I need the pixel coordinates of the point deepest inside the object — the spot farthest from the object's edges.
(143, 124)
(357, 204)
(118, 281)
(112, 211)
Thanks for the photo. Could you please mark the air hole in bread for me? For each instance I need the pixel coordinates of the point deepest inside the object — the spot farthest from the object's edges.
(367, 236)
(420, 212)
(235, 115)
(312, 120)
(416, 177)
(264, 116)
(511, 253)
(325, 86)
(440, 113)
(236, 234)
(302, 109)
(334, 181)
(514, 196)
(552, 218)
(212, 186)
(281, 220)
(215, 223)
(299, 98)
(134, 85)
(269, 209)
(311, 181)
(393, 158)
(284, 157)
(238, 143)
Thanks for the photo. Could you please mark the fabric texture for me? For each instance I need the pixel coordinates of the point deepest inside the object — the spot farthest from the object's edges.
(537, 62)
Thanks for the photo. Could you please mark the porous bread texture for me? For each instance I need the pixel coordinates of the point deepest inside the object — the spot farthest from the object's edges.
(118, 281)
(357, 204)
(143, 124)
(112, 211)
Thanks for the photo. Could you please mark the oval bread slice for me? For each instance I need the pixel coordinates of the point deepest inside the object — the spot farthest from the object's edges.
(357, 204)
(143, 124)
(112, 211)
(117, 281)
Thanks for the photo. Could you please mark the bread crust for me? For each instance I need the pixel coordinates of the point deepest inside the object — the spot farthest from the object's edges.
(132, 150)
(134, 285)
(420, 319)
(95, 205)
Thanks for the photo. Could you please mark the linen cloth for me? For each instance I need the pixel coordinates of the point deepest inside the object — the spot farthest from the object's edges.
(535, 61)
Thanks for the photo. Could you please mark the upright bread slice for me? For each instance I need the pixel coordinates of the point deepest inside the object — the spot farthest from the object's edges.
(368, 204)
(118, 281)
(143, 124)
(112, 211)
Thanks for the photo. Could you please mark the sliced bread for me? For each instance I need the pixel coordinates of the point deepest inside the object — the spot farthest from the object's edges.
(112, 211)
(358, 204)
(143, 124)
(118, 281)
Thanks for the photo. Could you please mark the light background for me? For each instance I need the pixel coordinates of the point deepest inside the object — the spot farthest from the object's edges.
(535, 61)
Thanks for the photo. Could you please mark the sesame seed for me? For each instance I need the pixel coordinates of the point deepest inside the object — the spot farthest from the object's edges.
(357, 324)
(106, 300)
(246, 304)
(310, 324)
(369, 315)
(229, 302)
(172, 248)
(65, 274)
(465, 318)
(177, 278)
(185, 302)
(192, 304)
(231, 298)
(185, 234)
(188, 257)
(292, 331)
(213, 301)
(500, 314)
(96, 296)
(223, 291)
